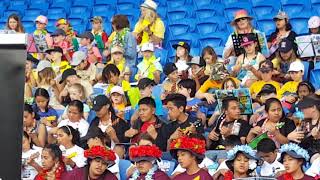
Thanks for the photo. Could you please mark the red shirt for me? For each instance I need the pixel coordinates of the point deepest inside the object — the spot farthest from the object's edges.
(145, 126)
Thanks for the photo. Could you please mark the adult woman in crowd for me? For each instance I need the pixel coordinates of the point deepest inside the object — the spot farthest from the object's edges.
(242, 24)
(314, 24)
(283, 30)
(276, 125)
(99, 159)
(14, 24)
(122, 36)
(149, 28)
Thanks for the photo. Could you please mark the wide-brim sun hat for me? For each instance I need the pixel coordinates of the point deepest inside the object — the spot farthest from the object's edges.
(240, 14)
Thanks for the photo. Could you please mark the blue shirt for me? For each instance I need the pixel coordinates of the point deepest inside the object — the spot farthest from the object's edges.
(193, 102)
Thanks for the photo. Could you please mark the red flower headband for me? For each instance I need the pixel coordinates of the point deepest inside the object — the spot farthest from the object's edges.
(144, 151)
(99, 151)
(193, 144)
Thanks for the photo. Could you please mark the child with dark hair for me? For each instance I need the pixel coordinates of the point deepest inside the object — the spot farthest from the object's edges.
(111, 75)
(68, 139)
(189, 151)
(147, 122)
(187, 87)
(169, 85)
(87, 45)
(267, 151)
(181, 123)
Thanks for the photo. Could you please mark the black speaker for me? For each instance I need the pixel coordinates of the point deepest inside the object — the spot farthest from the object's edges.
(12, 66)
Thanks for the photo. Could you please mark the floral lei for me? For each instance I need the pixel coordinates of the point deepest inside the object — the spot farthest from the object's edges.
(149, 175)
(297, 149)
(243, 148)
(120, 36)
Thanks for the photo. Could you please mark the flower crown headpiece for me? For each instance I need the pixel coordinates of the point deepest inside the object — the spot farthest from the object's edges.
(145, 151)
(231, 154)
(194, 144)
(297, 149)
(99, 151)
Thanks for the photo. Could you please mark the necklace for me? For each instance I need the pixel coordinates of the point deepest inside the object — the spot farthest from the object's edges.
(149, 175)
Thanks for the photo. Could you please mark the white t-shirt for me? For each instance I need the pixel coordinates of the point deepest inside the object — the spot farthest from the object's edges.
(82, 126)
(78, 159)
(271, 169)
(29, 172)
(206, 163)
(115, 168)
(315, 168)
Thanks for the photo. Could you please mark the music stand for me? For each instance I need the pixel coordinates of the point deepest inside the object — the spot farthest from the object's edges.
(237, 40)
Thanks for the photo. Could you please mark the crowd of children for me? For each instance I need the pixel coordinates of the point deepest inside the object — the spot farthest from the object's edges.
(95, 99)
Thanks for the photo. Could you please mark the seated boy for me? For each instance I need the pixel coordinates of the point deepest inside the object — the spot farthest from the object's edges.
(84, 69)
(267, 151)
(150, 66)
(170, 83)
(87, 46)
(198, 65)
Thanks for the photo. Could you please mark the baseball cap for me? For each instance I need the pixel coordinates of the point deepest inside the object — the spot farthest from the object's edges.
(93, 133)
(147, 47)
(307, 102)
(169, 68)
(67, 73)
(248, 39)
(267, 89)
(42, 65)
(285, 46)
(149, 4)
(314, 22)
(145, 82)
(87, 35)
(296, 66)
(100, 101)
(42, 19)
(58, 32)
(117, 89)
(77, 58)
(32, 59)
(281, 15)
(182, 44)
(55, 49)
(197, 61)
(96, 18)
(115, 49)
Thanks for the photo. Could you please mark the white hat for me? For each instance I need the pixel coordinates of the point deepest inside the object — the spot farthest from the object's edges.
(117, 89)
(115, 49)
(147, 47)
(42, 65)
(77, 58)
(296, 66)
(314, 22)
(149, 4)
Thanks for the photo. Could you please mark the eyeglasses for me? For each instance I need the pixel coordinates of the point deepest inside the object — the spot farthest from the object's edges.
(241, 19)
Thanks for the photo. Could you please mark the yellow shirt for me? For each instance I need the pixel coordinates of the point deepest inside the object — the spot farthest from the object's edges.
(120, 66)
(209, 84)
(60, 68)
(157, 28)
(256, 87)
(124, 84)
(290, 86)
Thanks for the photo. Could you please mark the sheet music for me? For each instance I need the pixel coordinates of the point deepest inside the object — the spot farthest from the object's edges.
(306, 45)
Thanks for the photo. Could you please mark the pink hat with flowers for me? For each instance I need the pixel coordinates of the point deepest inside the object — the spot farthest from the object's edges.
(42, 19)
(240, 14)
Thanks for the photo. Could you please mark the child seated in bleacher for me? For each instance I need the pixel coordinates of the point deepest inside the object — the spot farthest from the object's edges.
(268, 152)
(59, 65)
(117, 58)
(182, 58)
(111, 75)
(84, 69)
(288, 91)
(210, 57)
(41, 40)
(119, 103)
(150, 66)
(100, 35)
(170, 83)
(64, 24)
(77, 92)
(87, 46)
(187, 87)
(247, 65)
(59, 40)
(197, 65)
(46, 114)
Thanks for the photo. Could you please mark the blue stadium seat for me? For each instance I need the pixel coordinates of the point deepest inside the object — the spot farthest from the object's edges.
(101, 11)
(195, 51)
(213, 40)
(112, 3)
(19, 6)
(170, 166)
(178, 28)
(191, 38)
(107, 27)
(29, 26)
(203, 3)
(315, 78)
(40, 4)
(57, 16)
(306, 70)
(161, 2)
(80, 28)
(51, 29)
(65, 4)
(205, 13)
(75, 21)
(126, 5)
(207, 27)
(30, 17)
(295, 6)
(182, 12)
(132, 14)
(219, 50)
(231, 8)
(7, 13)
(217, 7)
(36, 12)
(299, 25)
(51, 22)
(123, 166)
(267, 26)
(272, 5)
(175, 3)
(162, 12)
(162, 53)
(55, 11)
(79, 12)
(83, 3)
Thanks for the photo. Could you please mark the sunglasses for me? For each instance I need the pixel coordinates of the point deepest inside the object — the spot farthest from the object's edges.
(241, 19)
